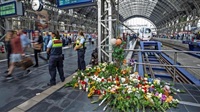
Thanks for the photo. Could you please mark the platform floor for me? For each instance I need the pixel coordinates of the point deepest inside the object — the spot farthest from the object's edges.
(69, 99)
(15, 92)
(185, 60)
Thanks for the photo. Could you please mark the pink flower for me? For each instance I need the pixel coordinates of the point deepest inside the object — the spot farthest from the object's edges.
(163, 97)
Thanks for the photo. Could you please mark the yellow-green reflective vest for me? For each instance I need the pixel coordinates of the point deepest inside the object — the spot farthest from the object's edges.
(78, 42)
(57, 43)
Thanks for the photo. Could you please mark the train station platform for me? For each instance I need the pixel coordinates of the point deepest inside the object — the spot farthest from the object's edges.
(30, 94)
(16, 92)
(172, 42)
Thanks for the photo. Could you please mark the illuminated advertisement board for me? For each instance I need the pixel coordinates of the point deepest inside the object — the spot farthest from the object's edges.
(74, 3)
(11, 9)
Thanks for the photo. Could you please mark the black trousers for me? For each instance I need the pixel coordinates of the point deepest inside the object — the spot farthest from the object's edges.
(8, 49)
(36, 52)
(56, 62)
(81, 59)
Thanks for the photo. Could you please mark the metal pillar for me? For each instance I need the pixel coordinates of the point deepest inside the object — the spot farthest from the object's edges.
(104, 25)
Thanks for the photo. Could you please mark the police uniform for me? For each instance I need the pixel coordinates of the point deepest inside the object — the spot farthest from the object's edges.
(81, 53)
(55, 60)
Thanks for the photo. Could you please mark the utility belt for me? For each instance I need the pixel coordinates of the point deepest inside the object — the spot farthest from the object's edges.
(58, 55)
(84, 48)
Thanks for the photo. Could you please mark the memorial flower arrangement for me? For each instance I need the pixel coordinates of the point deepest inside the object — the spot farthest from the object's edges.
(122, 90)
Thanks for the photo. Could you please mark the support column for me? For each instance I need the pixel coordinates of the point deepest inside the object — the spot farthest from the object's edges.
(104, 30)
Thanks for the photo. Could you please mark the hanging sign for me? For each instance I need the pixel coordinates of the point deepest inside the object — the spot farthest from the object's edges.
(11, 9)
(70, 4)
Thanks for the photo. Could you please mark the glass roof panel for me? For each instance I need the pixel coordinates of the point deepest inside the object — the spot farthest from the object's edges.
(129, 8)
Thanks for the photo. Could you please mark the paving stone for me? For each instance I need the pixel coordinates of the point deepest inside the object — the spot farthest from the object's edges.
(194, 92)
(180, 108)
(192, 108)
(73, 94)
(11, 105)
(176, 97)
(56, 96)
(32, 93)
(41, 107)
(22, 92)
(190, 87)
(74, 107)
(65, 103)
(197, 98)
(187, 98)
(83, 97)
(55, 109)
(66, 90)
(27, 105)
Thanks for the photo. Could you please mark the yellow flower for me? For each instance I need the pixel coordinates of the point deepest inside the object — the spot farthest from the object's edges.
(75, 85)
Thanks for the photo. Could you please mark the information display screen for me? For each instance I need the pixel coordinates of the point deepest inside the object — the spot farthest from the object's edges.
(8, 9)
(76, 3)
(11, 9)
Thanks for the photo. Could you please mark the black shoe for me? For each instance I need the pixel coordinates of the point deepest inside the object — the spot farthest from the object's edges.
(50, 84)
(63, 80)
(35, 66)
(8, 77)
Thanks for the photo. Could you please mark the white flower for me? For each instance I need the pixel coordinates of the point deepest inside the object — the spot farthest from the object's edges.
(178, 90)
(167, 87)
(74, 77)
(177, 100)
(132, 75)
(82, 74)
(129, 91)
(98, 79)
(160, 95)
(145, 79)
(123, 80)
(109, 87)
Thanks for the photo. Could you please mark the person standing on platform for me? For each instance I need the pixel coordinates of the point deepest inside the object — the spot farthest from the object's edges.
(46, 40)
(54, 49)
(8, 38)
(25, 41)
(80, 48)
(16, 55)
(37, 40)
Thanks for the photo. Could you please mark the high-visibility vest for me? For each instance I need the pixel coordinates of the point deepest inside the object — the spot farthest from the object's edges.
(57, 43)
(78, 42)
(56, 47)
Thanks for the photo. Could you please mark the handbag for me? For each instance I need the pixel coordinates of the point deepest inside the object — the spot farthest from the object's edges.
(37, 46)
(26, 63)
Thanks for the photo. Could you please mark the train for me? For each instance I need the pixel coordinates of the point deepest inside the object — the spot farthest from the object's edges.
(145, 34)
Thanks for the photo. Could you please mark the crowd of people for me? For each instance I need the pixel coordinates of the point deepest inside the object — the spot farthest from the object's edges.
(17, 42)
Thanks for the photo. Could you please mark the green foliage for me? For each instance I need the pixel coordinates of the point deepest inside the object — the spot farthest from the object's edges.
(118, 53)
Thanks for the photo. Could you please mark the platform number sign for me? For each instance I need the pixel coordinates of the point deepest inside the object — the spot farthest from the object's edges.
(74, 3)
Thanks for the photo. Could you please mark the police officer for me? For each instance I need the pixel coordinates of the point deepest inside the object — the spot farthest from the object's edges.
(54, 49)
(80, 48)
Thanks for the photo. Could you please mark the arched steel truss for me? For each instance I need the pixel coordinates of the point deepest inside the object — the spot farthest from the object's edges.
(158, 11)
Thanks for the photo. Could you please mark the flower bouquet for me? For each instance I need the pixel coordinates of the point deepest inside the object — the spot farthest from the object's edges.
(119, 89)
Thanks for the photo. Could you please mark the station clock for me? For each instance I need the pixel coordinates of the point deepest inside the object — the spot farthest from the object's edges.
(37, 5)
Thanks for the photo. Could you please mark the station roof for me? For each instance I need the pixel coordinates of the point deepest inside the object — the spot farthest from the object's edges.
(157, 10)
